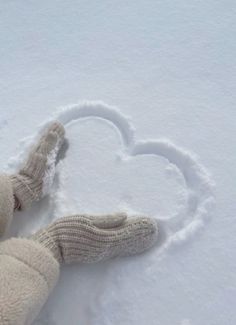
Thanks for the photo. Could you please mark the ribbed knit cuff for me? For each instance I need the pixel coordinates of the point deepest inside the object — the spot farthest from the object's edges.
(22, 191)
(6, 203)
(46, 240)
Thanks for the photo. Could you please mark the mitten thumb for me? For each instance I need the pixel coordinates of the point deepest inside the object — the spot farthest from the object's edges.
(108, 221)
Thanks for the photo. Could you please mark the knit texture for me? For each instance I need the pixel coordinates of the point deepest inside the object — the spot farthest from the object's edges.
(89, 239)
(28, 273)
(6, 203)
(34, 179)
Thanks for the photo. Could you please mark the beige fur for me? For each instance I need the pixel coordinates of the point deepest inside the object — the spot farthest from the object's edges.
(28, 273)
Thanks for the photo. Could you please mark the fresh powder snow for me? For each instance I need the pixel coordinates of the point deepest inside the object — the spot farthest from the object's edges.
(146, 92)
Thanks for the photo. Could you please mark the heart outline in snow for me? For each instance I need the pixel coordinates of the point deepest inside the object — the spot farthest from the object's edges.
(200, 197)
(200, 187)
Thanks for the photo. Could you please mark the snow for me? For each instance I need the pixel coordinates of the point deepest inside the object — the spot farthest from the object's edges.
(159, 142)
(49, 176)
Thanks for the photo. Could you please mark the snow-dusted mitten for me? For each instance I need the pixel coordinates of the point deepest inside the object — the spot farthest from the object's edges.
(6, 202)
(89, 239)
(35, 178)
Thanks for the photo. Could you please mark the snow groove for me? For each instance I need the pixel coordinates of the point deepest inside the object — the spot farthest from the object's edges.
(98, 110)
(200, 197)
(198, 182)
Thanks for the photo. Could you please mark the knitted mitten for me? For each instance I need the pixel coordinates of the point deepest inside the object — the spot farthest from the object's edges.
(29, 271)
(6, 203)
(33, 181)
(88, 239)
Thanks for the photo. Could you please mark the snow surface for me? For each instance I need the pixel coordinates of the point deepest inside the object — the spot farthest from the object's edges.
(160, 142)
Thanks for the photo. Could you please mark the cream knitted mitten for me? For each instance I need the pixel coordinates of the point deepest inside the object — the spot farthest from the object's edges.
(29, 271)
(33, 181)
(89, 239)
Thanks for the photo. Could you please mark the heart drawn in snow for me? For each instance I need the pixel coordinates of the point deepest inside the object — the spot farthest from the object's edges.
(191, 181)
